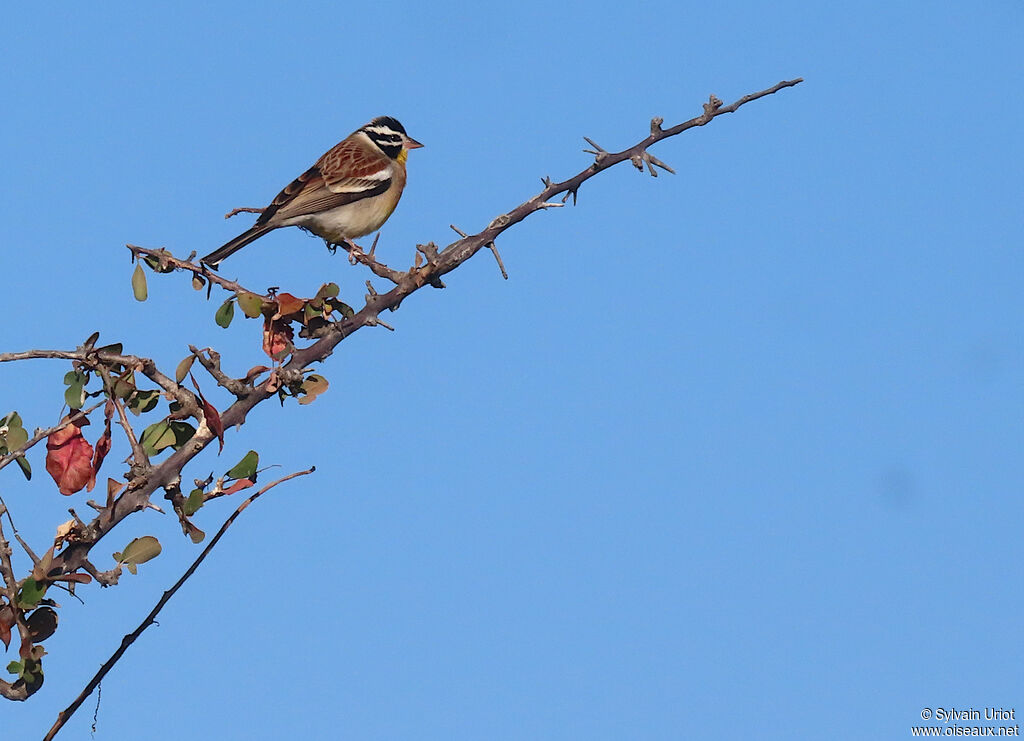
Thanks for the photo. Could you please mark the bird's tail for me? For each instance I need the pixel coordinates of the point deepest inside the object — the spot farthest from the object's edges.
(214, 258)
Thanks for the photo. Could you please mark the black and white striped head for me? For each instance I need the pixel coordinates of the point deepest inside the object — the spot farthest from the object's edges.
(389, 135)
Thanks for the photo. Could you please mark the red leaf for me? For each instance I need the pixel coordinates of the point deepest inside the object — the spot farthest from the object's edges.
(255, 371)
(76, 578)
(69, 460)
(288, 304)
(277, 338)
(239, 485)
(6, 622)
(212, 415)
(103, 444)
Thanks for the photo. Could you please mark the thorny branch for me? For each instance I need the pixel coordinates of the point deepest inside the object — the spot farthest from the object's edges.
(95, 358)
(430, 265)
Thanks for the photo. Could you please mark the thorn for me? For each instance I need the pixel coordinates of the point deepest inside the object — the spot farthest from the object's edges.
(457, 230)
(598, 151)
(656, 123)
(150, 505)
(652, 160)
(377, 322)
(549, 204)
(370, 288)
(497, 256)
(547, 181)
(571, 192)
(373, 247)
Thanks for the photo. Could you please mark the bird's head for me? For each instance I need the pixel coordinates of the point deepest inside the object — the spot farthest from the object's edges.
(389, 135)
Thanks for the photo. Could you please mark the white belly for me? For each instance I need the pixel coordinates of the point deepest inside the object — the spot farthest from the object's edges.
(349, 221)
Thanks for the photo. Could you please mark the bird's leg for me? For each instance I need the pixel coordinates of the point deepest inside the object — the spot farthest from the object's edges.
(348, 245)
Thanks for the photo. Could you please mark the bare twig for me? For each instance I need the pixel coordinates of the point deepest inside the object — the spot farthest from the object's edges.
(129, 639)
(14, 531)
(243, 210)
(95, 358)
(12, 691)
(210, 360)
(497, 256)
(357, 255)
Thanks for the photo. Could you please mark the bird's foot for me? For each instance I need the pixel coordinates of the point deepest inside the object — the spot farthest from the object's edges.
(354, 250)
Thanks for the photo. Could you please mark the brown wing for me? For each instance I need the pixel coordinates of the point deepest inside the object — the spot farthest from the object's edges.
(347, 173)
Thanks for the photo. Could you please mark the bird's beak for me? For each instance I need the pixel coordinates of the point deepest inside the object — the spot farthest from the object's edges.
(410, 143)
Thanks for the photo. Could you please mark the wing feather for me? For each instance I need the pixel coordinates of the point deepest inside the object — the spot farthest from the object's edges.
(347, 173)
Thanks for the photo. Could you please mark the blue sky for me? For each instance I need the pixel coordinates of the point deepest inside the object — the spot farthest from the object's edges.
(733, 454)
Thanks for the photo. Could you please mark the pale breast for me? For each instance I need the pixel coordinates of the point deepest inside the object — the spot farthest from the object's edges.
(353, 219)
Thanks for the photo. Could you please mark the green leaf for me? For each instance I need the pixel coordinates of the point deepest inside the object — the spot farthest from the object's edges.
(140, 550)
(245, 468)
(193, 503)
(346, 311)
(14, 668)
(183, 432)
(125, 386)
(250, 304)
(166, 434)
(139, 283)
(30, 594)
(183, 368)
(74, 396)
(16, 437)
(328, 290)
(11, 420)
(25, 467)
(225, 313)
(193, 532)
(143, 401)
(114, 348)
(156, 437)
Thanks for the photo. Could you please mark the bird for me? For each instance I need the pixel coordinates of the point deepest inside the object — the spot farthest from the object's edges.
(350, 191)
